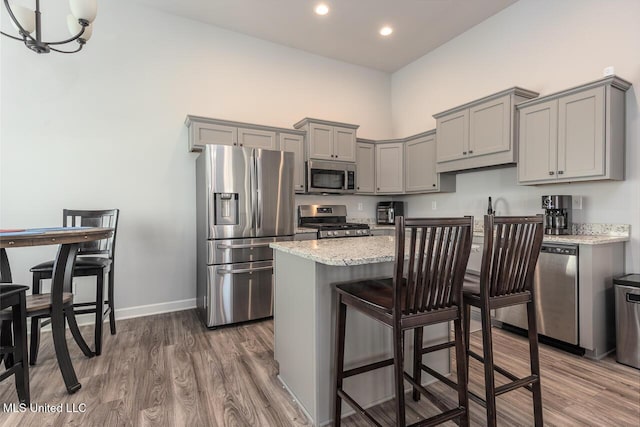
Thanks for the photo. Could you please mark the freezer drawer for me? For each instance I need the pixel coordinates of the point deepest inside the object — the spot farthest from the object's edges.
(229, 251)
(238, 292)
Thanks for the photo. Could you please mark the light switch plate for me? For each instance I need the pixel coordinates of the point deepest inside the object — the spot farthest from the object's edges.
(576, 202)
(608, 71)
(360, 206)
(434, 205)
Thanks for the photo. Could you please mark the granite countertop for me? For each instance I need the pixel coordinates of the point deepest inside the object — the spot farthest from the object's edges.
(582, 234)
(344, 252)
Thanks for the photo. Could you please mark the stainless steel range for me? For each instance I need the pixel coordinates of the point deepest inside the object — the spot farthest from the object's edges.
(330, 221)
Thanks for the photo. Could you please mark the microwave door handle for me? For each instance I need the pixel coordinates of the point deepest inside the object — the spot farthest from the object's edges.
(345, 183)
(392, 216)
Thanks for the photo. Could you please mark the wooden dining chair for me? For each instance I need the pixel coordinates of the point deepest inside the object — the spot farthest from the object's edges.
(428, 291)
(95, 258)
(13, 338)
(511, 249)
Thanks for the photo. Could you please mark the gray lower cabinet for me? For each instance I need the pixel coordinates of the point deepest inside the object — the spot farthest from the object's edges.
(480, 133)
(295, 144)
(390, 168)
(329, 140)
(420, 174)
(574, 135)
(365, 168)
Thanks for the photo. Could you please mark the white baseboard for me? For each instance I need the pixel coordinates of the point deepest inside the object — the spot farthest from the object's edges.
(139, 311)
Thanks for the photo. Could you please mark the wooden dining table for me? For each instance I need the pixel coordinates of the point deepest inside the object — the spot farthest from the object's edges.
(69, 240)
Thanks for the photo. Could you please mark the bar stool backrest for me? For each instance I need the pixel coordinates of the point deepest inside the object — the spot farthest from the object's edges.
(511, 249)
(93, 218)
(438, 250)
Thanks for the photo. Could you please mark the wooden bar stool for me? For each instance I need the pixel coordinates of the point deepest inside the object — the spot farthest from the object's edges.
(510, 254)
(13, 346)
(431, 293)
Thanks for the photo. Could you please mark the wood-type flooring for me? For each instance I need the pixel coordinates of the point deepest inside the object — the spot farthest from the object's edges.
(168, 370)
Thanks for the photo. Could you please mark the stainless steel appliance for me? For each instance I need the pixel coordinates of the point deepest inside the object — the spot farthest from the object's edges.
(557, 214)
(330, 221)
(556, 290)
(245, 201)
(627, 296)
(330, 177)
(387, 212)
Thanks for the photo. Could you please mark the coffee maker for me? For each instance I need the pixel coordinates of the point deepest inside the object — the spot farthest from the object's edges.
(557, 214)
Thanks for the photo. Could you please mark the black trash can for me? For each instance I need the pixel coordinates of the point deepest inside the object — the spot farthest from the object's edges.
(627, 296)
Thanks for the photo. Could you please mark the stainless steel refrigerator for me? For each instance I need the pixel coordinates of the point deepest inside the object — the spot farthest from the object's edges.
(245, 200)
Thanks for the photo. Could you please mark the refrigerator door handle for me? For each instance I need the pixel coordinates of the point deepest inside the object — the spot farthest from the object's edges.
(244, 270)
(254, 190)
(244, 246)
(258, 192)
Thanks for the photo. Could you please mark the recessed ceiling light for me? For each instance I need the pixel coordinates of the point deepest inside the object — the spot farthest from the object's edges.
(322, 9)
(386, 30)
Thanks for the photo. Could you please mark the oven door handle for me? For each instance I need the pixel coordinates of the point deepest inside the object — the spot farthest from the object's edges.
(244, 270)
(243, 246)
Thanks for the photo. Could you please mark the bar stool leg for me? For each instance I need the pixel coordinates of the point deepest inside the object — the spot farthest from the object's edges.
(489, 379)
(112, 312)
(398, 368)
(341, 317)
(35, 323)
(417, 360)
(97, 331)
(535, 363)
(461, 369)
(466, 313)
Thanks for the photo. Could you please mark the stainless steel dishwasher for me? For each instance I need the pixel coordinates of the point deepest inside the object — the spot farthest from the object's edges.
(556, 291)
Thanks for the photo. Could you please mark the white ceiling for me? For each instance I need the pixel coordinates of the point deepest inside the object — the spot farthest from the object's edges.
(350, 31)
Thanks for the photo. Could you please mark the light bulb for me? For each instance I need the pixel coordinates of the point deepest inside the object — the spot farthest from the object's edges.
(322, 9)
(75, 27)
(385, 31)
(25, 16)
(84, 9)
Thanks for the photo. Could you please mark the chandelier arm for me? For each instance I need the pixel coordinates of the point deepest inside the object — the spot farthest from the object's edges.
(22, 31)
(76, 37)
(80, 46)
(12, 37)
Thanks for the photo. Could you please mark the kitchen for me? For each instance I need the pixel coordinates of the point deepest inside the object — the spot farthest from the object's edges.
(120, 105)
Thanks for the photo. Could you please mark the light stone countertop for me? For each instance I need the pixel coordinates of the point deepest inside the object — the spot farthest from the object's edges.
(344, 252)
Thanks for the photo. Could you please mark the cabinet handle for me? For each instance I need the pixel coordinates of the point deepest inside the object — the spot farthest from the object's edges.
(336, 156)
(551, 172)
(378, 188)
(560, 172)
(357, 188)
(464, 153)
(470, 151)
(332, 156)
(241, 145)
(433, 185)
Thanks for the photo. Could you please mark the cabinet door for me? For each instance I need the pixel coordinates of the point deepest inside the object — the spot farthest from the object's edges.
(581, 140)
(538, 140)
(205, 133)
(320, 142)
(389, 168)
(254, 138)
(365, 168)
(295, 144)
(490, 127)
(420, 165)
(452, 133)
(344, 144)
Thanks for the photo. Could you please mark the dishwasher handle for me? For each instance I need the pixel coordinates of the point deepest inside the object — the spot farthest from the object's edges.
(559, 249)
(632, 298)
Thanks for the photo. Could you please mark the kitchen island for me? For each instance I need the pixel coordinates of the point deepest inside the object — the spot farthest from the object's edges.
(304, 322)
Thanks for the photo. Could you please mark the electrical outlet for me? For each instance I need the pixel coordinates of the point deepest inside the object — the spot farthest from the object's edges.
(576, 202)
(360, 206)
(434, 205)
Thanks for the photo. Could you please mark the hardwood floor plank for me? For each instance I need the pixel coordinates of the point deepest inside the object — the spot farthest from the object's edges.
(169, 370)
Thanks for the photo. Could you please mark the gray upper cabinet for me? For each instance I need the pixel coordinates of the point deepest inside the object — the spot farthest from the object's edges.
(256, 138)
(420, 174)
(390, 168)
(295, 144)
(480, 133)
(329, 140)
(365, 167)
(574, 135)
(201, 134)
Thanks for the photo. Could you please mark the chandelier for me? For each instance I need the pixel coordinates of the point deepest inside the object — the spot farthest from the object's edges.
(27, 21)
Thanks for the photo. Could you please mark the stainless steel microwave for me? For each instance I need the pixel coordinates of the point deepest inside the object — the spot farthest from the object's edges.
(330, 177)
